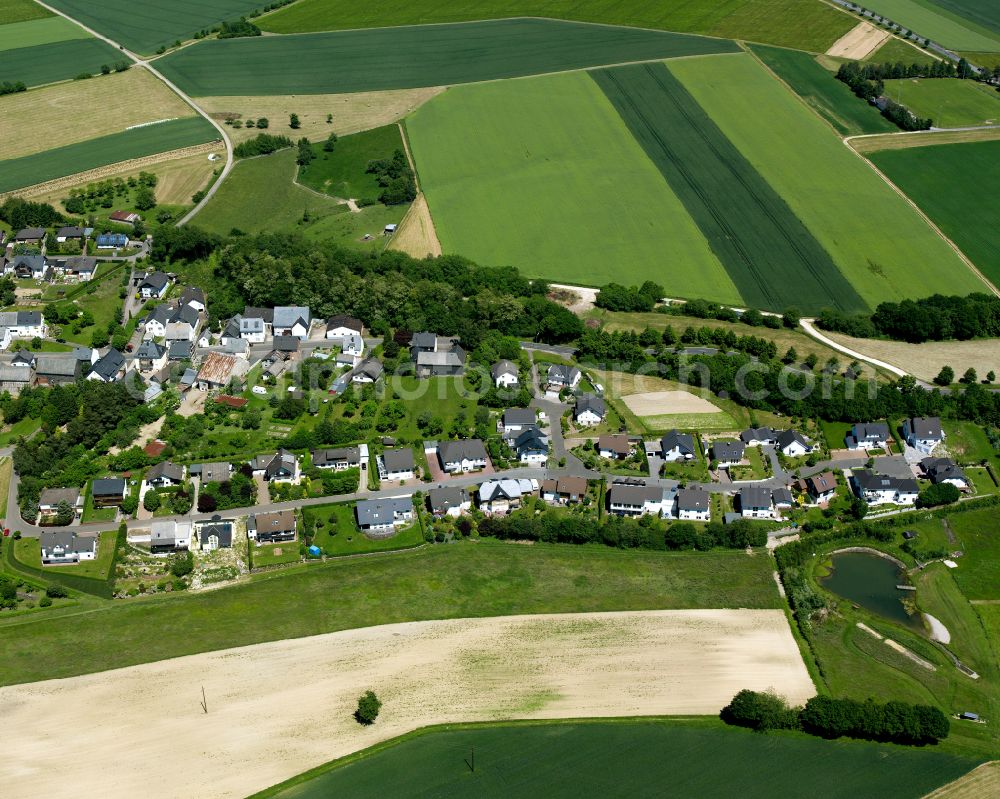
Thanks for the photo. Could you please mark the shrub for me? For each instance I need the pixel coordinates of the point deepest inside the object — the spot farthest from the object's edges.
(368, 708)
(56, 591)
(45, 602)
(761, 711)
(940, 494)
(261, 144)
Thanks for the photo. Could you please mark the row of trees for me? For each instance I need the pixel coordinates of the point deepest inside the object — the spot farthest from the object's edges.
(9, 87)
(935, 318)
(20, 213)
(261, 144)
(872, 90)
(616, 297)
(871, 720)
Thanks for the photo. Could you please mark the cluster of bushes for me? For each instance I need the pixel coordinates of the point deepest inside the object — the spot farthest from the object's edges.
(935, 318)
(888, 71)
(616, 297)
(239, 491)
(939, 494)
(872, 89)
(20, 213)
(105, 193)
(395, 178)
(238, 29)
(893, 722)
(261, 144)
(7, 87)
(703, 309)
(623, 533)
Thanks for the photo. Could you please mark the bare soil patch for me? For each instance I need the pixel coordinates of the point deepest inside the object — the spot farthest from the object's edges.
(660, 403)
(578, 299)
(352, 113)
(416, 235)
(31, 122)
(276, 709)
(859, 42)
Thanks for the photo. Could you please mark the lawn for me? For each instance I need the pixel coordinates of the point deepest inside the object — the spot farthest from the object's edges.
(363, 230)
(145, 25)
(551, 181)
(38, 31)
(950, 102)
(21, 10)
(59, 162)
(338, 534)
(343, 173)
(443, 581)
(44, 111)
(275, 554)
(809, 25)
(771, 257)
(402, 58)
(28, 552)
(967, 442)
(937, 179)
(444, 397)
(46, 63)
(260, 196)
(846, 206)
(829, 97)
(25, 427)
(616, 757)
(945, 21)
(94, 514)
(6, 471)
(103, 303)
(978, 572)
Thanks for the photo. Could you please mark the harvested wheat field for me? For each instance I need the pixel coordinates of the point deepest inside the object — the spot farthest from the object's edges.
(922, 138)
(859, 42)
(277, 709)
(416, 235)
(980, 783)
(660, 403)
(65, 113)
(924, 361)
(352, 113)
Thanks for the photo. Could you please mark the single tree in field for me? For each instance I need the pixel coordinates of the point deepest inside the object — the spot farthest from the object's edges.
(368, 707)
(945, 377)
(990, 376)
(293, 122)
(811, 360)
(791, 356)
(969, 377)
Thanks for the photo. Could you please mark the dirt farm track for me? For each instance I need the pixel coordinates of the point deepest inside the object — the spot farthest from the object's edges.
(277, 709)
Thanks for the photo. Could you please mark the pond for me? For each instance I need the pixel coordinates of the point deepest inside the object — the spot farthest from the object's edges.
(870, 581)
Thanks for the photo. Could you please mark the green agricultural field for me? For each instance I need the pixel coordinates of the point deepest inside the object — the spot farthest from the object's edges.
(896, 50)
(950, 102)
(957, 24)
(343, 173)
(938, 180)
(439, 582)
(39, 31)
(406, 58)
(620, 757)
(770, 256)
(543, 174)
(62, 60)
(360, 231)
(829, 97)
(13, 11)
(843, 203)
(145, 25)
(260, 196)
(73, 158)
(793, 23)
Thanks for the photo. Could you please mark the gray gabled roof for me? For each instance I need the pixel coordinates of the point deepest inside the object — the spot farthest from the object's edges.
(150, 350)
(222, 529)
(289, 315)
(166, 469)
(692, 499)
(503, 368)
(874, 431)
(179, 350)
(867, 480)
(14, 374)
(286, 344)
(446, 497)
(66, 540)
(926, 427)
(250, 312)
(345, 321)
(398, 460)
(378, 512)
(591, 402)
(192, 293)
(371, 367)
(560, 373)
(790, 437)
(110, 364)
(728, 451)
(632, 494)
(424, 340)
(531, 439)
(57, 366)
(321, 457)
(755, 497)
(107, 487)
(469, 449)
(518, 416)
(940, 469)
(682, 442)
(757, 434)
(155, 280)
(53, 496)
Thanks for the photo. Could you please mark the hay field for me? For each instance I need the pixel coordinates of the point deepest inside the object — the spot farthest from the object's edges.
(655, 403)
(32, 122)
(21, 10)
(416, 235)
(279, 708)
(897, 141)
(859, 42)
(979, 783)
(352, 113)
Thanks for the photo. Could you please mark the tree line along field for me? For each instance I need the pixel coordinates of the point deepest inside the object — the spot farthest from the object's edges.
(939, 179)
(455, 581)
(625, 757)
(809, 24)
(55, 61)
(553, 181)
(831, 99)
(16, 173)
(144, 25)
(770, 256)
(957, 24)
(950, 102)
(401, 58)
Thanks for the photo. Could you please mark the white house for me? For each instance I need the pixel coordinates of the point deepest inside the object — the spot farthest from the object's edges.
(633, 498)
(514, 420)
(923, 433)
(465, 455)
(758, 436)
(368, 371)
(280, 467)
(165, 474)
(505, 374)
(502, 496)
(531, 446)
(291, 320)
(109, 367)
(154, 285)
(879, 489)
(791, 444)
(728, 453)
(561, 376)
(65, 546)
(449, 501)
(270, 527)
(868, 435)
(51, 498)
(340, 459)
(944, 470)
(24, 324)
(694, 505)
(193, 297)
(675, 446)
(379, 518)
(614, 446)
(396, 464)
(342, 326)
(590, 410)
(756, 503)
(169, 536)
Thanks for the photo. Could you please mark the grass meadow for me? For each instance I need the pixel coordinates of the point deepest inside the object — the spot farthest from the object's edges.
(47, 63)
(534, 188)
(145, 25)
(957, 24)
(38, 31)
(950, 102)
(13, 11)
(406, 58)
(812, 26)
(343, 173)
(615, 757)
(830, 98)
(937, 178)
(846, 205)
(895, 50)
(28, 170)
(444, 581)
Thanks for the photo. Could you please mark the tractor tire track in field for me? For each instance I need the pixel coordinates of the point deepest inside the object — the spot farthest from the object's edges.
(769, 254)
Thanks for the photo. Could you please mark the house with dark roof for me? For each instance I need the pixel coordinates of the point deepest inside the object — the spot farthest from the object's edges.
(27, 267)
(560, 376)
(151, 356)
(498, 497)
(694, 504)
(782, 498)
(341, 458)
(758, 436)
(269, 527)
(380, 518)
(396, 464)
(181, 351)
(112, 241)
(727, 453)
(564, 490)
(279, 467)
(676, 446)
(792, 444)
(154, 285)
(448, 501)
(23, 359)
(531, 446)
(589, 411)
(107, 491)
(614, 446)
(211, 472)
(464, 455)
(167, 536)
(30, 235)
(65, 546)
(868, 435)
(342, 326)
(756, 502)
(291, 320)
(505, 374)
(437, 356)
(214, 534)
(56, 370)
(165, 474)
(109, 368)
(70, 233)
(923, 433)
(50, 499)
(368, 371)
(880, 489)
(820, 487)
(944, 470)
(80, 268)
(635, 498)
(514, 420)
(193, 297)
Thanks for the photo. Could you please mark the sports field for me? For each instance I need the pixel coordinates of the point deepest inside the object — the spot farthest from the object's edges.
(296, 697)
(518, 172)
(143, 25)
(840, 200)
(38, 31)
(114, 148)
(950, 102)
(773, 260)
(62, 60)
(46, 112)
(406, 58)
(795, 23)
(259, 196)
(938, 178)
(626, 757)
(454, 581)
(957, 24)
(830, 98)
